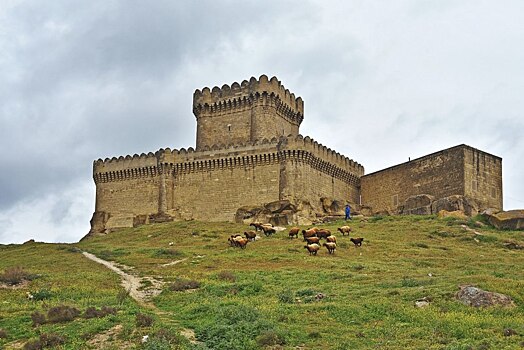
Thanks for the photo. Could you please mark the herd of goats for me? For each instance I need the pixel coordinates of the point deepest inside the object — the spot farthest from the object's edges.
(311, 236)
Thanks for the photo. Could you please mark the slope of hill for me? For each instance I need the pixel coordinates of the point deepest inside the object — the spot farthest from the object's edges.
(272, 294)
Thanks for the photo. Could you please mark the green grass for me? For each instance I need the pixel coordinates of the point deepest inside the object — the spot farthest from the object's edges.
(266, 295)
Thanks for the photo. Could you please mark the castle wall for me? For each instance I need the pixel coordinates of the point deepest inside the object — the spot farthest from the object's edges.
(303, 182)
(440, 174)
(215, 194)
(127, 184)
(483, 178)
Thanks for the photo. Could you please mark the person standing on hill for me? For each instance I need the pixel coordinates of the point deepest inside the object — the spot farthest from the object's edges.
(348, 212)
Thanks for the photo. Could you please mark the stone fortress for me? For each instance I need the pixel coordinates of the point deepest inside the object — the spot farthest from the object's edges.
(251, 163)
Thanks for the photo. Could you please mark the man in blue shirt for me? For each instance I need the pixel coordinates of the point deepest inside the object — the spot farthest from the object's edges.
(348, 212)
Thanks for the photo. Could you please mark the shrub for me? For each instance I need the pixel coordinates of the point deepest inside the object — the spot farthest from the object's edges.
(183, 284)
(92, 312)
(122, 295)
(38, 318)
(14, 275)
(163, 339)
(51, 340)
(143, 320)
(3, 334)
(227, 276)
(62, 313)
(42, 294)
(269, 338)
(286, 296)
(45, 341)
(169, 253)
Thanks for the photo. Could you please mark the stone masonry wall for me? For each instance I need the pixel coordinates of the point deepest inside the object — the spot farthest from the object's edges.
(216, 194)
(212, 184)
(483, 178)
(440, 174)
(305, 183)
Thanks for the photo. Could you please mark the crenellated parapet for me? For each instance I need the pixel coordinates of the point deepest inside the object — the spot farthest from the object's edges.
(221, 156)
(240, 95)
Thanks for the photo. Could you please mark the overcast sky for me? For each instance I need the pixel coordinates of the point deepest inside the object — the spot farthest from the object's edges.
(381, 81)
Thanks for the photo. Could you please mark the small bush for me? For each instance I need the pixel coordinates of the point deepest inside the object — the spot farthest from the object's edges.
(122, 295)
(286, 296)
(167, 253)
(227, 276)
(314, 335)
(42, 294)
(92, 312)
(3, 334)
(357, 267)
(33, 345)
(269, 338)
(14, 275)
(163, 339)
(51, 340)
(143, 320)
(421, 245)
(183, 284)
(62, 313)
(45, 341)
(38, 318)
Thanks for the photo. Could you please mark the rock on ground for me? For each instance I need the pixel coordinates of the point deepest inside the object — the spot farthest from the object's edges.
(473, 296)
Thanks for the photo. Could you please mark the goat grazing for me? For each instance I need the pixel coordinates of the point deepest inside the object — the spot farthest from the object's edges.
(294, 232)
(312, 248)
(331, 239)
(250, 235)
(311, 240)
(344, 230)
(357, 241)
(309, 233)
(323, 233)
(268, 230)
(331, 247)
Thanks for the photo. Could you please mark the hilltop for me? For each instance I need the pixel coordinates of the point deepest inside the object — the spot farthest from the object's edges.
(200, 293)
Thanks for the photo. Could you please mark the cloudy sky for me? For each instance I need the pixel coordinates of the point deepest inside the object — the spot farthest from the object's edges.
(382, 81)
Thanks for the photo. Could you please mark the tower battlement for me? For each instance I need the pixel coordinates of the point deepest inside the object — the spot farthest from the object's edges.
(247, 89)
(245, 112)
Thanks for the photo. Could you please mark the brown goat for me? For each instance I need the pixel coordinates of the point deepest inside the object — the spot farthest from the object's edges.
(344, 230)
(294, 232)
(250, 235)
(242, 243)
(331, 239)
(268, 230)
(309, 233)
(323, 233)
(331, 247)
(312, 248)
(311, 240)
(233, 240)
(357, 241)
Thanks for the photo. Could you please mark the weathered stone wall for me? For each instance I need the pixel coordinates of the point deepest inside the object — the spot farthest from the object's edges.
(483, 178)
(301, 182)
(127, 185)
(216, 193)
(439, 174)
(212, 184)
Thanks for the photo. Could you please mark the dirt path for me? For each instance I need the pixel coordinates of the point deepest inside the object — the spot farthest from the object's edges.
(133, 284)
(130, 282)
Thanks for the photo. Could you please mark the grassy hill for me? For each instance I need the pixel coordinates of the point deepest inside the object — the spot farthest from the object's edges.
(273, 294)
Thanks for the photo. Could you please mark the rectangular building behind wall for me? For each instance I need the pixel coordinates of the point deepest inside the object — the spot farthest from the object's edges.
(452, 171)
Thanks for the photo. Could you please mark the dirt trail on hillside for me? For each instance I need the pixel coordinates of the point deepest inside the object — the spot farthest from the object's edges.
(131, 282)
